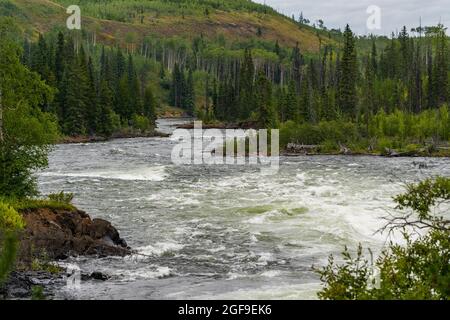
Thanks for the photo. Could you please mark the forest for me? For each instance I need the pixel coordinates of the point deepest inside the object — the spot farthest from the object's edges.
(394, 95)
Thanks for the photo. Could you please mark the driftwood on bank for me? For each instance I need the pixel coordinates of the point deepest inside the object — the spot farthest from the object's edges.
(293, 148)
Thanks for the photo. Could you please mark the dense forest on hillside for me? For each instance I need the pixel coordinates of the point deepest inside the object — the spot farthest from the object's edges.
(367, 93)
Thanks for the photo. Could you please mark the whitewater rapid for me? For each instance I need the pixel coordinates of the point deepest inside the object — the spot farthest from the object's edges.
(224, 232)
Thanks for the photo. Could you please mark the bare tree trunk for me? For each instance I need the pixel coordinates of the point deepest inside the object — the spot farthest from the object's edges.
(1, 118)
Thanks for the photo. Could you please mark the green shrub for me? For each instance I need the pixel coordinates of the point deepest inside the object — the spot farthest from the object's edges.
(10, 223)
(61, 197)
(329, 146)
(141, 123)
(10, 219)
(37, 293)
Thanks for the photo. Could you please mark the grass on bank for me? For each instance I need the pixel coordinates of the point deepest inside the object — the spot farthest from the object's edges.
(58, 201)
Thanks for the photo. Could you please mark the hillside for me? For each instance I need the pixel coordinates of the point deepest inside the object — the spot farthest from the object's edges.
(133, 20)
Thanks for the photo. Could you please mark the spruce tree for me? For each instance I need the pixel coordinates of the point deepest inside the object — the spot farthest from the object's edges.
(189, 95)
(440, 76)
(59, 58)
(246, 86)
(93, 111)
(348, 76)
(150, 105)
(263, 100)
(105, 106)
(291, 103)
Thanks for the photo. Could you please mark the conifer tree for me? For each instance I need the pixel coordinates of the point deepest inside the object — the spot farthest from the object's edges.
(93, 111)
(246, 87)
(348, 75)
(440, 76)
(150, 105)
(266, 112)
(291, 103)
(105, 106)
(189, 94)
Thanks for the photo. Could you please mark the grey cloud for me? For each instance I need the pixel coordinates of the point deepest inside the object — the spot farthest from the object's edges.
(394, 14)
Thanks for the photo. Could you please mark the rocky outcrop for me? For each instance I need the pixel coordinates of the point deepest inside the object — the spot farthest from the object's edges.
(19, 285)
(63, 233)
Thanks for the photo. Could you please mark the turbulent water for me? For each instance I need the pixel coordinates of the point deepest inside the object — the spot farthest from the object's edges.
(224, 232)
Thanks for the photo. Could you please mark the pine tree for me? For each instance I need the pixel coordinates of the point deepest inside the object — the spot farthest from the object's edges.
(266, 112)
(93, 109)
(150, 105)
(297, 63)
(189, 95)
(305, 100)
(73, 104)
(105, 106)
(123, 107)
(135, 103)
(59, 59)
(348, 76)
(246, 87)
(291, 103)
(440, 76)
(177, 87)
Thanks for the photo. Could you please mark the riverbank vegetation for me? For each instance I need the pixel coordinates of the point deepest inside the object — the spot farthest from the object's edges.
(26, 135)
(407, 133)
(420, 270)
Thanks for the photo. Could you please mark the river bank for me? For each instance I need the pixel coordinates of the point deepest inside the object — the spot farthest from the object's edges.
(119, 135)
(414, 150)
(53, 235)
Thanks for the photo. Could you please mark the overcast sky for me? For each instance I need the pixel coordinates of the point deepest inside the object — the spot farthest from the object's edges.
(394, 13)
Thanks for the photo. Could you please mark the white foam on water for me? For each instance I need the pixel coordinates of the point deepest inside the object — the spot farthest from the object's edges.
(218, 249)
(271, 273)
(305, 291)
(155, 173)
(160, 248)
(148, 272)
(265, 257)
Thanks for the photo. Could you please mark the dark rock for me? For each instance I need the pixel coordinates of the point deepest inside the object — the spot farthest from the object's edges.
(61, 233)
(19, 285)
(96, 275)
(99, 276)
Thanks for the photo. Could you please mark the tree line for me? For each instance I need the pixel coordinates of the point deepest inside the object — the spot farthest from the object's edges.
(411, 74)
(93, 96)
(342, 82)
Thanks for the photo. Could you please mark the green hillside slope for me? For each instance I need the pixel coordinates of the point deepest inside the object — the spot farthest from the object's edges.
(132, 20)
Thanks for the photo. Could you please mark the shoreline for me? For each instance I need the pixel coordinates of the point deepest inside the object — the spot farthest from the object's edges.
(294, 150)
(53, 234)
(98, 139)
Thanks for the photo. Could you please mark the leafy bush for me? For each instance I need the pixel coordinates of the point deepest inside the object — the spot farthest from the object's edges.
(10, 219)
(141, 123)
(10, 223)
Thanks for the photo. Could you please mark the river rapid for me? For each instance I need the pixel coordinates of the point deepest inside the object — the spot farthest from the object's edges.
(224, 232)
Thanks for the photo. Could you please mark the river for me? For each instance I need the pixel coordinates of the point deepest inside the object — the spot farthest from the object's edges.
(224, 232)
